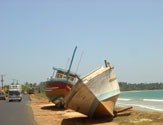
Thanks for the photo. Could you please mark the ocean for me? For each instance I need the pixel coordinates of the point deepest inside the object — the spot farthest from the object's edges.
(142, 100)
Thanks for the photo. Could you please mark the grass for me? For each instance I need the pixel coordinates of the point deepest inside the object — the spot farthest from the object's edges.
(141, 118)
(41, 95)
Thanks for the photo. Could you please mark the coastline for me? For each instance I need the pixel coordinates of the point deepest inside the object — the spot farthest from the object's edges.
(148, 100)
(141, 90)
(142, 108)
(45, 113)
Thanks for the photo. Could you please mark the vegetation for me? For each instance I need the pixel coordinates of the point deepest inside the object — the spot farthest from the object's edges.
(29, 87)
(34, 87)
(140, 118)
(40, 96)
(124, 86)
(6, 88)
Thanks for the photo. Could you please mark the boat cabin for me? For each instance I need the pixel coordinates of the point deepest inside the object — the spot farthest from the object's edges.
(62, 74)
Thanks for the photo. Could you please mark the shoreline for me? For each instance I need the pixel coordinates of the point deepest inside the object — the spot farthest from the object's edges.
(142, 108)
(148, 100)
(141, 90)
(45, 113)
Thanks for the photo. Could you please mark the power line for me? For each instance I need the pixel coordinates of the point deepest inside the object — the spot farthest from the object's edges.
(79, 62)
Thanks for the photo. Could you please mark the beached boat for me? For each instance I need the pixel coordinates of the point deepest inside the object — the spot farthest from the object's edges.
(59, 86)
(95, 94)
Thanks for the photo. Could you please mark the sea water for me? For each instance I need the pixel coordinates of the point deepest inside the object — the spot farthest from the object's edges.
(142, 100)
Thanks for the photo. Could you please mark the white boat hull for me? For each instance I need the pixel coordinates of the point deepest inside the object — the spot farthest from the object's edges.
(95, 94)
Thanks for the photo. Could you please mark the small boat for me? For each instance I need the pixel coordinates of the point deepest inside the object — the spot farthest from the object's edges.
(59, 86)
(95, 94)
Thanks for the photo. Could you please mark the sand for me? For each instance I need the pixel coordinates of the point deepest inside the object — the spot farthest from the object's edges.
(45, 113)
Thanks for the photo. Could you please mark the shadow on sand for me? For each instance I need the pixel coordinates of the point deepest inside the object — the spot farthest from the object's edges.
(53, 108)
(78, 120)
(85, 121)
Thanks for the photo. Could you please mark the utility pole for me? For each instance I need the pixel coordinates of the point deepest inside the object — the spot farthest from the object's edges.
(2, 79)
(17, 82)
(14, 81)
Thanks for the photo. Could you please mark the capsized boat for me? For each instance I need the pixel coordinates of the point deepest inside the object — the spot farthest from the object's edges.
(95, 94)
(59, 86)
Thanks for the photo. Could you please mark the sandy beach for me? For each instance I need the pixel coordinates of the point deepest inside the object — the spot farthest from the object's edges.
(45, 113)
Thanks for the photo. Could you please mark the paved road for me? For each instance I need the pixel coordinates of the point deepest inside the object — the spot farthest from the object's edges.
(16, 113)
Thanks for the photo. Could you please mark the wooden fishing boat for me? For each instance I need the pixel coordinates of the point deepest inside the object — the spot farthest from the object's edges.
(95, 95)
(59, 86)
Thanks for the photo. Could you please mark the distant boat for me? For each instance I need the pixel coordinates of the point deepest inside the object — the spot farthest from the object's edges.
(59, 86)
(96, 94)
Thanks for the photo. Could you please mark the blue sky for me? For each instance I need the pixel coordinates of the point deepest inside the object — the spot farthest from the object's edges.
(36, 35)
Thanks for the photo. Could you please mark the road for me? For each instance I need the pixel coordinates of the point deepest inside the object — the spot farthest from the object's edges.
(16, 113)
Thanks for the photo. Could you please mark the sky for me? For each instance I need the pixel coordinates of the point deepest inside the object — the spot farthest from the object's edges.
(36, 35)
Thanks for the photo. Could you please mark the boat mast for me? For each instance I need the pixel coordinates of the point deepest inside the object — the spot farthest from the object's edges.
(71, 62)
